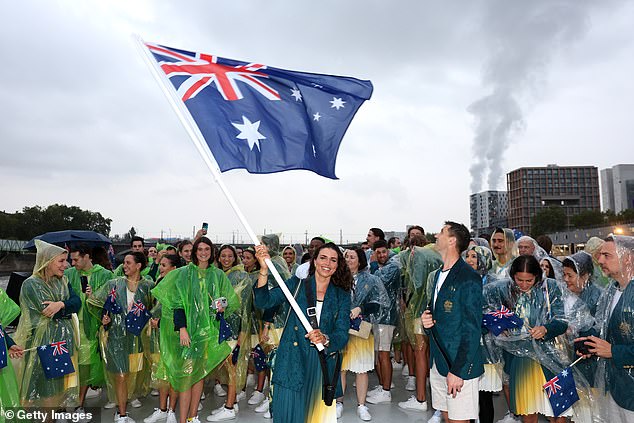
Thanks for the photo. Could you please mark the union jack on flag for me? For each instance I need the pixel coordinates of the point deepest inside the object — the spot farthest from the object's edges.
(500, 320)
(137, 308)
(260, 118)
(111, 305)
(552, 387)
(55, 359)
(59, 347)
(137, 318)
(502, 312)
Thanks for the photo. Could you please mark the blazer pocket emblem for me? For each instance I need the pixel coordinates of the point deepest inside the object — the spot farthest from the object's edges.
(448, 306)
(626, 329)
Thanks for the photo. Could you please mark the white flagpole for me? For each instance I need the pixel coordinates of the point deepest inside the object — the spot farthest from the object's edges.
(199, 142)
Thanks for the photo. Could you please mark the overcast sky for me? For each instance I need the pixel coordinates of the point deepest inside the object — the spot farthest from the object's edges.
(464, 92)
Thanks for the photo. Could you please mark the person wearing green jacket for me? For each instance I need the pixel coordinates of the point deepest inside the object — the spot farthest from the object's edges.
(187, 295)
(9, 392)
(94, 276)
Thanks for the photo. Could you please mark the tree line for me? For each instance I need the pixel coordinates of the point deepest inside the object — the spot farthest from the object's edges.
(554, 219)
(32, 221)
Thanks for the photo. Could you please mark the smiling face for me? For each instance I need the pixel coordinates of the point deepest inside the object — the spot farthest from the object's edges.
(57, 266)
(288, 255)
(203, 253)
(524, 280)
(352, 259)
(573, 281)
(472, 259)
(165, 266)
(248, 259)
(227, 258)
(498, 243)
(131, 267)
(152, 252)
(186, 253)
(382, 254)
(80, 262)
(326, 263)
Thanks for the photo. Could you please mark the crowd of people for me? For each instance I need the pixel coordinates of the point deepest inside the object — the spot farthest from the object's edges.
(196, 319)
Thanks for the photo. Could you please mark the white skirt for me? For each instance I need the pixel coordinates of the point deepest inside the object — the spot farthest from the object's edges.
(358, 356)
(491, 379)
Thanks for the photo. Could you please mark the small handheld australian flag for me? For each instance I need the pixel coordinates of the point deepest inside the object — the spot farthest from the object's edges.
(562, 391)
(259, 358)
(55, 359)
(500, 320)
(3, 350)
(137, 318)
(111, 304)
(224, 331)
(235, 354)
(355, 324)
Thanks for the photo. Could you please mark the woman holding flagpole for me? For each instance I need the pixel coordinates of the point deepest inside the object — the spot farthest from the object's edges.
(48, 305)
(325, 295)
(191, 297)
(122, 304)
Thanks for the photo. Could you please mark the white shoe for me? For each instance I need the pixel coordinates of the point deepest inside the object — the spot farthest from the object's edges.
(81, 411)
(110, 405)
(396, 365)
(364, 413)
(202, 396)
(93, 393)
(251, 380)
(224, 414)
(436, 418)
(200, 406)
(267, 415)
(241, 396)
(156, 416)
(405, 371)
(219, 390)
(171, 417)
(374, 390)
(155, 393)
(194, 420)
(380, 397)
(413, 404)
(136, 403)
(339, 406)
(126, 419)
(263, 407)
(411, 383)
(256, 398)
(508, 418)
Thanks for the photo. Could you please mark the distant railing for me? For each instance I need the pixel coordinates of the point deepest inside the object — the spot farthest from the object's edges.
(11, 245)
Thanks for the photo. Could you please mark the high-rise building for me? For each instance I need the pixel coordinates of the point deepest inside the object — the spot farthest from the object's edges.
(617, 188)
(530, 189)
(489, 209)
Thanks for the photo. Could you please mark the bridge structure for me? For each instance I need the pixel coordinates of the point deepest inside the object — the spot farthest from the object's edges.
(11, 246)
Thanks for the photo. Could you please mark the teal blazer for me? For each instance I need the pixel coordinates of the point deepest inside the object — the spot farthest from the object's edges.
(294, 347)
(458, 316)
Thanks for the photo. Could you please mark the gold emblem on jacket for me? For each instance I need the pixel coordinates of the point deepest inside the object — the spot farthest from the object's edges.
(626, 329)
(448, 306)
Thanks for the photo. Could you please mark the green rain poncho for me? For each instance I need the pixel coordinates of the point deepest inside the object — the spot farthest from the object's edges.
(240, 323)
(191, 289)
(90, 363)
(416, 265)
(9, 391)
(35, 330)
(123, 352)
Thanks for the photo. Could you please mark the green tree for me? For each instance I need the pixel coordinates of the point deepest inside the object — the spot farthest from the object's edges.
(588, 218)
(551, 219)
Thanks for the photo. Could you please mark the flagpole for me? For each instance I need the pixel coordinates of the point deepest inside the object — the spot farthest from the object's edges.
(203, 149)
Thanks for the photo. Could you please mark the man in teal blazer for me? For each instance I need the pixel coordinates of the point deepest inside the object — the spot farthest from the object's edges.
(453, 321)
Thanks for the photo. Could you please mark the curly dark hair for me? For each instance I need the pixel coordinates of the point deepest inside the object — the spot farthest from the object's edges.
(342, 276)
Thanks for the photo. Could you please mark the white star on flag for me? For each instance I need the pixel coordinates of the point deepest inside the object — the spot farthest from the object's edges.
(337, 103)
(316, 117)
(295, 93)
(564, 373)
(249, 131)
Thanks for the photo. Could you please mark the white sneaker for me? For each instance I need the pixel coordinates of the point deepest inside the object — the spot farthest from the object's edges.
(110, 405)
(241, 396)
(267, 415)
(263, 407)
(380, 397)
(136, 403)
(224, 414)
(126, 419)
(339, 406)
(251, 379)
(219, 390)
(171, 417)
(364, 413)
(156, 416)
(411, 383)
(93, 393)
(256, 398)
(396, 365)
(374, 390)
(405, 371)
(81, 411)
(200, 406)
(436, 418)
(155, 393)
(194, 420)
(202, 396)
(508, 418)
(413, 404)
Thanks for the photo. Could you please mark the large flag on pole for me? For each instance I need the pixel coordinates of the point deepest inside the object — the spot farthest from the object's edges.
(260, 118)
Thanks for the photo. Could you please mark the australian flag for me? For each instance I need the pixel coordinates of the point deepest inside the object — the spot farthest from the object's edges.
(355, 323)
(259, 358)
(224, 331)
(562, 391)
(111, 304)
(55, 359)
(235, 354)
(260, 118)
(137, 318)
(500, 320)
(3, 350)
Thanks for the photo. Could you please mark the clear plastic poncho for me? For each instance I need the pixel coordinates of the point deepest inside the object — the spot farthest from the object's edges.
(390, 275)
(193, 290)
(35, 330)
(123, 352)
(9, 390)
(501, 270)
(615, 324)
(538, 252)
(91, 372)
(368, 289)
(416, 265)
(593, 247)
(557, 267)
